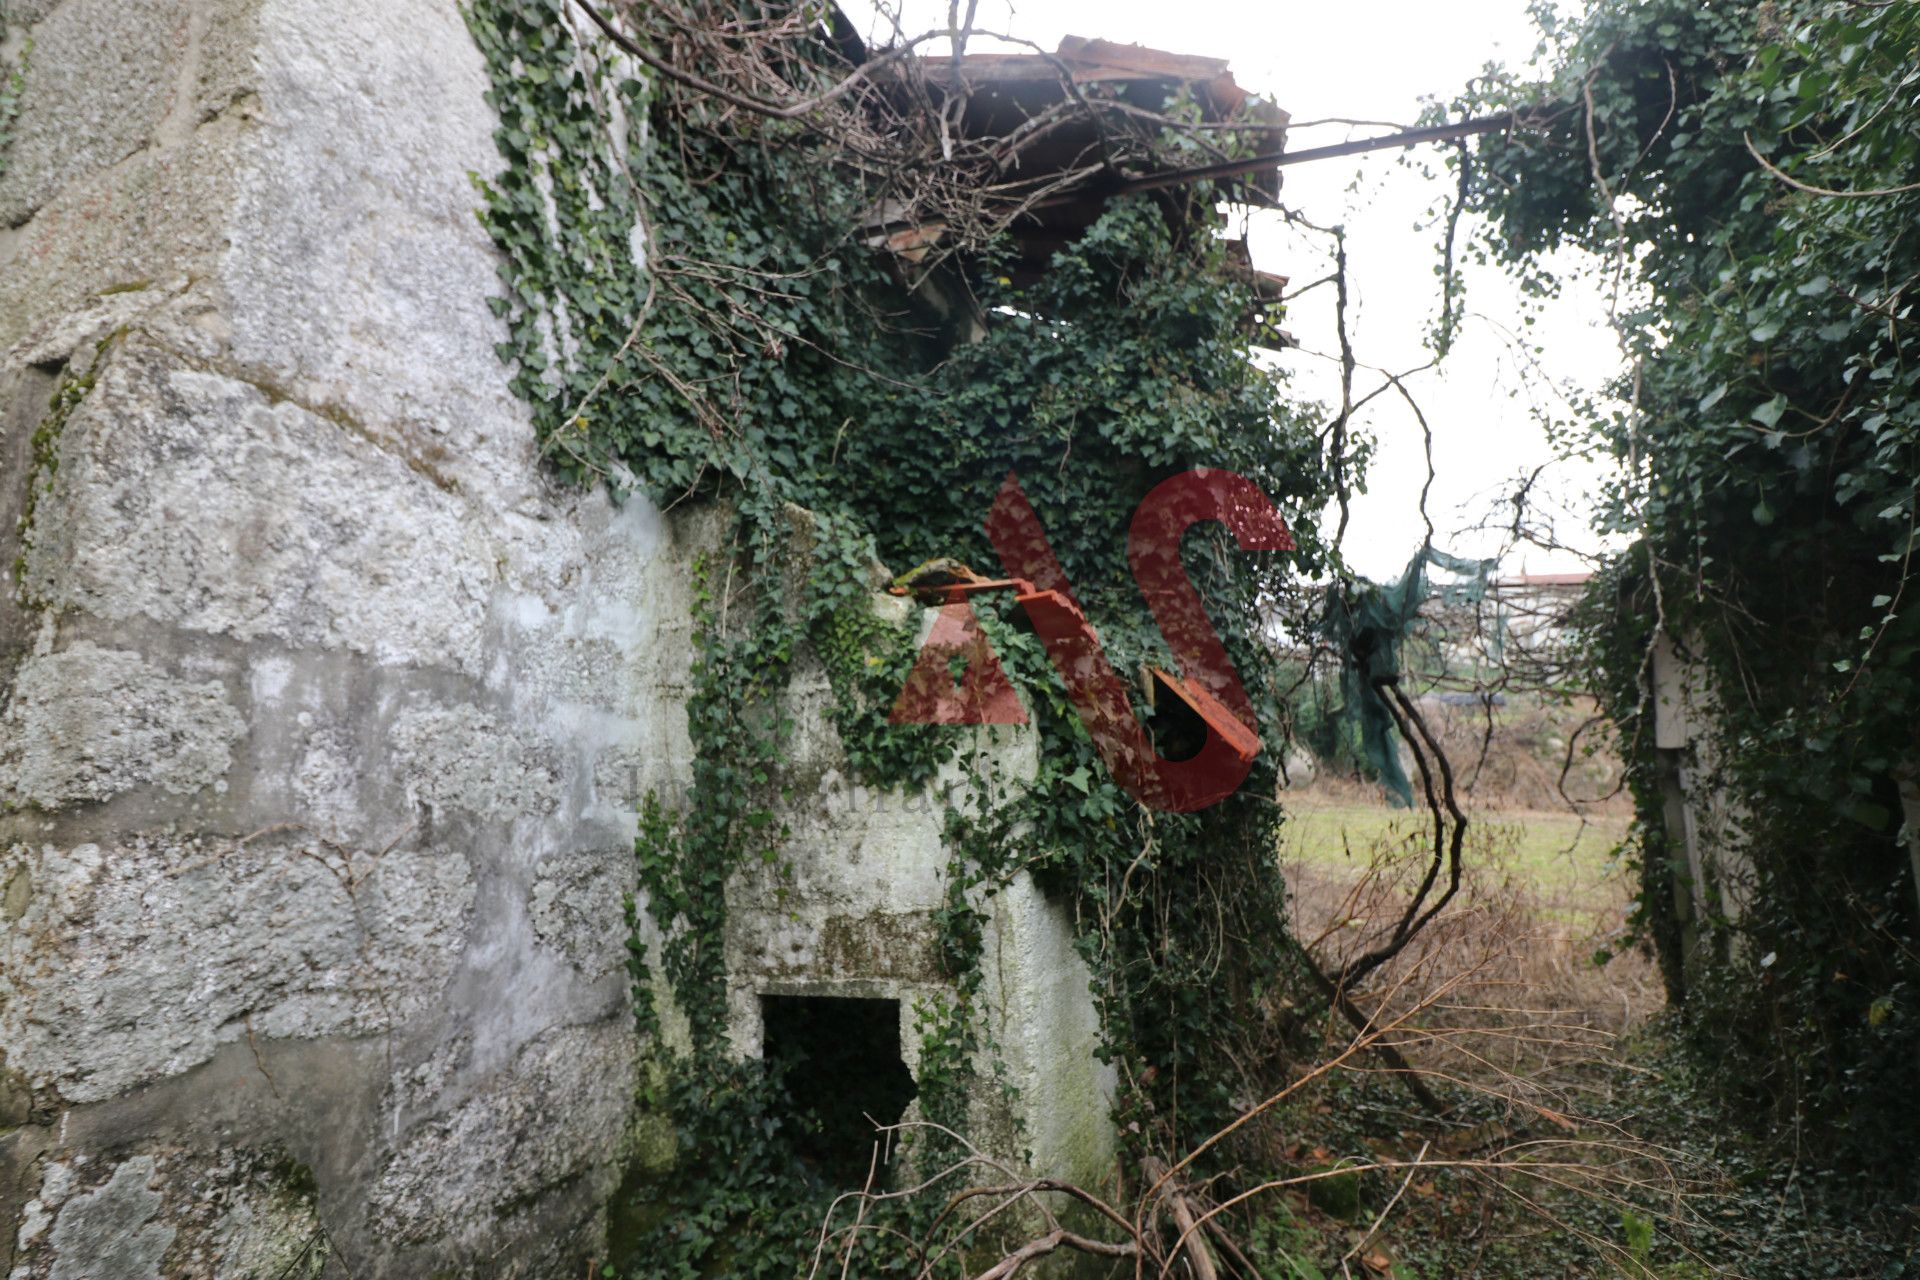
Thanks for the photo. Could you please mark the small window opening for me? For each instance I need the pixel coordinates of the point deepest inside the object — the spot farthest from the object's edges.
(841, 1058)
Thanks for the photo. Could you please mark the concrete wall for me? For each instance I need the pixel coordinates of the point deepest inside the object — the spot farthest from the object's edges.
(324, 713)
(1703, 824)
(849, 911)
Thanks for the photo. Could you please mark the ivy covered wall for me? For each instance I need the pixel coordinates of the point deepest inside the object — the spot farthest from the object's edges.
(1746, 175)
(696, 315)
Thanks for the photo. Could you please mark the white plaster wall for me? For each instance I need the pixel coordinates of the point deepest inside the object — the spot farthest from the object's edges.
(1049, 1031)
(847, 910)
(1702, 819)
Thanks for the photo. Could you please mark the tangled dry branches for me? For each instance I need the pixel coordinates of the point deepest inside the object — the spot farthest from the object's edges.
(897, 118)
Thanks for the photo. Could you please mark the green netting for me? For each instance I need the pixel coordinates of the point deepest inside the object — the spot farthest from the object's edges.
(1368, 623)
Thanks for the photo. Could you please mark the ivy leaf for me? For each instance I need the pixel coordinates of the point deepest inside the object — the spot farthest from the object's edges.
(1768, 414)
(1875, 817)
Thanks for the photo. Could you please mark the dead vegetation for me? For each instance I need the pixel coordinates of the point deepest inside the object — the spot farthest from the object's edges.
(1534, 993)
(1458, 1098)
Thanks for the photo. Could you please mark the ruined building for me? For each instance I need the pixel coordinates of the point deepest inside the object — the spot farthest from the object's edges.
(325, 710)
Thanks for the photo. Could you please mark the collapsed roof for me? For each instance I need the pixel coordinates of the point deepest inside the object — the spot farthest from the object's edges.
(1078, 126)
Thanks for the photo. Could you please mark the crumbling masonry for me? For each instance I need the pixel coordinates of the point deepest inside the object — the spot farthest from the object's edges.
(324, 711)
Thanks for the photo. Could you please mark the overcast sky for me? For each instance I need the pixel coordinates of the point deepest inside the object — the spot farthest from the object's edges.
(1374, 59)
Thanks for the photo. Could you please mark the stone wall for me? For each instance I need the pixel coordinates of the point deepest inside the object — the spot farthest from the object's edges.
(324, 711)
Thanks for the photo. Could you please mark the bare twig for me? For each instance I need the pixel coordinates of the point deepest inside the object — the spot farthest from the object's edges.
(1810, 189)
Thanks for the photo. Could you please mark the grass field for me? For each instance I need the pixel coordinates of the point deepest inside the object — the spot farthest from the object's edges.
(1554, 854)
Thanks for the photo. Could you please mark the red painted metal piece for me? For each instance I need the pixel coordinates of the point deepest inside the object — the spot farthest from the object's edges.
(984, 694)
(955, 592)
(1059, 622)
(1101, 697)
(1210, 692)
(1244, 742)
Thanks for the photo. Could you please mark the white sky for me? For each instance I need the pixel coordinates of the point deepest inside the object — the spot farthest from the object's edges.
(1374, 59)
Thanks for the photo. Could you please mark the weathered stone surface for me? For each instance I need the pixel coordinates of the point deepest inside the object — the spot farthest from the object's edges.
(301, 479)
(242, 1216)
(120, 233)
(355, 270)
(111, 1232)
(454, 1175)
(87, 723)
(326, 781)
(195, 499)
(577, 907)
(221, 1215)
(70, 340)
(102, 77)
(135, 960)
(224, 70)
(460, 757)
(25, 13)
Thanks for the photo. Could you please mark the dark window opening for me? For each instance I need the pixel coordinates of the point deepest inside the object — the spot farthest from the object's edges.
(841, 1060)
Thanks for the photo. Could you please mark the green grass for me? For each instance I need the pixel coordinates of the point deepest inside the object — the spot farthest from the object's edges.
(1550, 851)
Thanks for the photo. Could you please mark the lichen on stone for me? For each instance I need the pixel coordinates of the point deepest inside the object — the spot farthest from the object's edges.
(182, 1214)
(12, 81)
(110, 1231)
(459, 757)
(139, 958)
(575, 906)
(482, 1159)
(88, 723)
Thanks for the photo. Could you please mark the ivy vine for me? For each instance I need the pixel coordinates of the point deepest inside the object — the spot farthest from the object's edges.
(692, 314)
(1746, 176)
